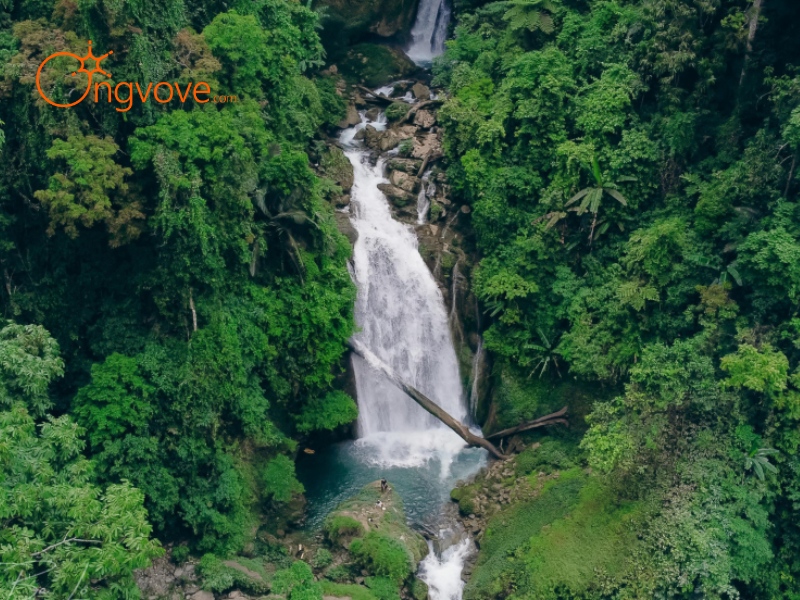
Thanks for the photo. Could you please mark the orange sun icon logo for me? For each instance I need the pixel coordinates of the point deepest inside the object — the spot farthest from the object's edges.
(81, 69)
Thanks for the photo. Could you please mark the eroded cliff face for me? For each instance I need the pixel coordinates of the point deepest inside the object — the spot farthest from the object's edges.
(384, 18)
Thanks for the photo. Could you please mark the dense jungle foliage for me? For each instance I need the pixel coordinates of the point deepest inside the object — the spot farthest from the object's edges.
(175, 271)
(632, 173)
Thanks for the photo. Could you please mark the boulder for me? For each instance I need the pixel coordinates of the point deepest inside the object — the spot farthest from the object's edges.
(397, 196)
(373, 113)
(334, 164)
(345, 226)
(424, 119)
(407, 165)
(383, 140)
(383, 512)
(342, 201)
(352, 118)
(420, 91)
(371, 137)
(374, 65)
(404, 181)
(202, 595)
(428, 145)
(354, 18)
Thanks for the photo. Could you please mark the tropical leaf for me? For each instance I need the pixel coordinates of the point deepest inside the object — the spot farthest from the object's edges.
(578, 196)
(616, 195)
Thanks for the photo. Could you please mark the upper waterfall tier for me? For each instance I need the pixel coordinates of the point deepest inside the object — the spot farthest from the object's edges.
(429, 31)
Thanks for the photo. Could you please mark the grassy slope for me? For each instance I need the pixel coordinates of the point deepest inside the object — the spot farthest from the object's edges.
(561, 541)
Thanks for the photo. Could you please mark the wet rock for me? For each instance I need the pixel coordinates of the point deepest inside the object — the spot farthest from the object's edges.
(397, 196)
(360, 134)
(334, 164)
(424, 119)
(373, 113)
(345, 226)
(408, 165)
(342, 201)
(375, 65)
(388, 139)
(351, 20)
(352, 118)
(428, 145)
(420, 91)
(404, 181)
(371, 137)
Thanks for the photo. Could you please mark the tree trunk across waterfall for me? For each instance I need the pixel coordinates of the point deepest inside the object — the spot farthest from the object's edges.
(434, 409)
(426, 403)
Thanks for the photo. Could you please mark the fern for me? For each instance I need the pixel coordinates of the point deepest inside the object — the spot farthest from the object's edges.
(636, 294)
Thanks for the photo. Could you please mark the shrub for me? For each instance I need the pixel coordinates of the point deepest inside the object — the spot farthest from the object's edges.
(340, 527)
(180, 554)
(322, 558)
(338, 573)
(465, 498)
(419, 589)
(219, 577)
(396, 111)
(549, 456)
(297, 583)
(279, 479)
(382, 556)
(405, 148)
(383, 588)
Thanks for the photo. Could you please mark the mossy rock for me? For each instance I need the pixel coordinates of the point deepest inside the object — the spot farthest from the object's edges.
(349, 20)
(388, 520)
(218, 575)
(374, 65)
(419, 589)
(336, 166)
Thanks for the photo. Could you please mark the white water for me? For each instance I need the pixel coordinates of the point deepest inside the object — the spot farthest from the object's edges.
(403, 324)
(429, 31)
(426, 192)
(442, 572)
(402, 320)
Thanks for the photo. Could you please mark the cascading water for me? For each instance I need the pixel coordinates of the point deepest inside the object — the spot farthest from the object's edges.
(402, 320)
(429, 31)
(403, 323)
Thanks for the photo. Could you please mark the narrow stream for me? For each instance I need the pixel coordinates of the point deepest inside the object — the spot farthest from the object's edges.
(403, 321)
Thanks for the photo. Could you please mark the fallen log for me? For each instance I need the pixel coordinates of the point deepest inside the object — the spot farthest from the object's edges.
(425, 402)
(412, 111)
(378, 97)
(551, 419)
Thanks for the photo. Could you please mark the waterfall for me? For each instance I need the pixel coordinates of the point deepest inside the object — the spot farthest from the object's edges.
(429, 31)
(426, 192)
(402, 319)
(442, 572)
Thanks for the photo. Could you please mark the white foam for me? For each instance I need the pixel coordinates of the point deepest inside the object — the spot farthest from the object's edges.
(443, 573)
